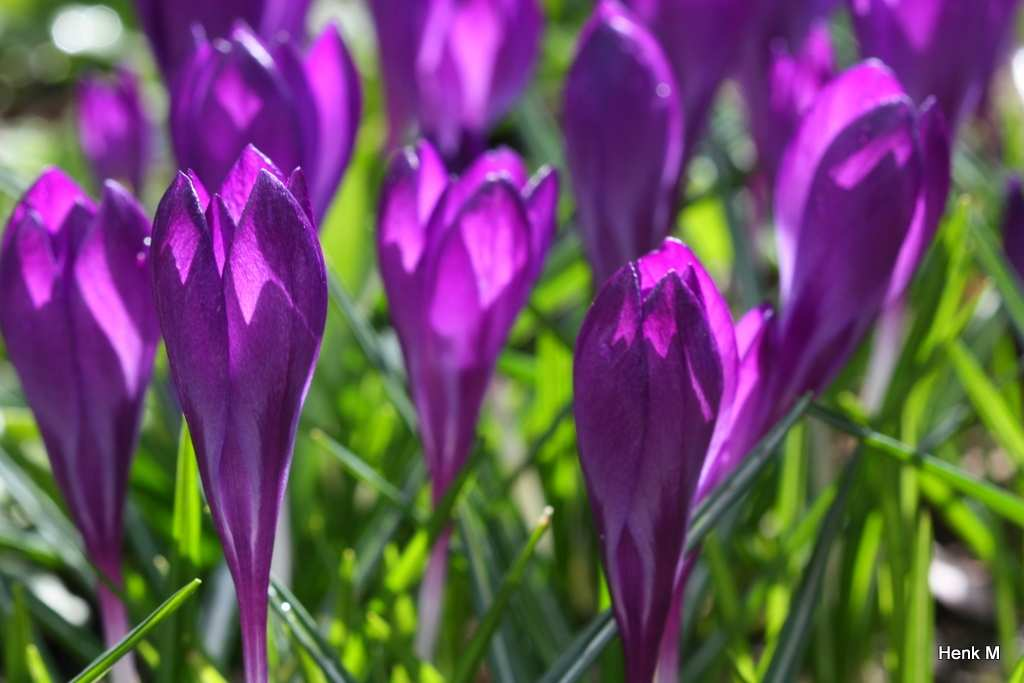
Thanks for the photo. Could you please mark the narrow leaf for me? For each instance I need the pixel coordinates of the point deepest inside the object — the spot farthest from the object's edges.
(108, 659)
(358, 467)
(988, 401)
(993, 261)
(474, 653)
(302, 626)
(584, 650)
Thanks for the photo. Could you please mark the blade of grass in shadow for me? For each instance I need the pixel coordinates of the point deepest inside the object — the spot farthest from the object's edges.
(108, 659)
(466, 668)
(993, 261)
(358, 467)
(306, 633)
(918, 643)
(186, 531)
(584, 650)
(794, 635)
(370, 344)
(996, 499)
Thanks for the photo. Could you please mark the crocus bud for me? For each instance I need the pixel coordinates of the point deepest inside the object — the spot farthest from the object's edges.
(649, 379)
(299, 111)
(76, 313)
(779, 84)
(624, 139)
(947, 49)
(173, 28)
(113, 128)
(458, 258)
(241, 294)
(1013, 225)
(452, 68)
(703, 40)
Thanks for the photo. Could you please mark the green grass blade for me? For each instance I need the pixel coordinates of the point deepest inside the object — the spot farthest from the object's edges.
(789, 650)
(988, 401)
(302, 626)
(993, 261)
(918, 641)
(1018, 672)
(468, 663)
(358, 467)
(736, 486)
(17, 636)
(186, 537)
(108, 659)
(996, 499)
(584, 650)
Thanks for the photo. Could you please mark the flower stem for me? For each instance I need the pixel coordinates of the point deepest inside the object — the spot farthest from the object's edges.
(432, 597)
(115, 627)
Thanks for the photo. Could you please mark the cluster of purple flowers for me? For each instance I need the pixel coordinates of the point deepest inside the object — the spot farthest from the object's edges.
(670, 393)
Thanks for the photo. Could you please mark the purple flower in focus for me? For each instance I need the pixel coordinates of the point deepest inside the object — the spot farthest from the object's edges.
(624, 139)
(452, 68)
(113, 127)
(458, 258)
(77, 316)
(302, 112)
(654, 370)
(947, 49)
(1013, 225)
(859, 195)
(241, 294)
(175, 27)
(703, 40)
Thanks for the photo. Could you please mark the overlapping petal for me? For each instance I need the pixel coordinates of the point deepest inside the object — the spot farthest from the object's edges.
(247, 91)
(242, 299)
(649, 381)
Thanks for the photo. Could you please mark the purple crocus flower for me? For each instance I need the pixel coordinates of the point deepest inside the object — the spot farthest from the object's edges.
(947, 49)
(174, 28)
(703, 40)
(241, 294)
(458, 258)
(859, 195)
(780, 82)
(624, 139)
(76, 313)
(113, 127)
(452, 68)
(302, 112)
(1013, 225)
(654, 370)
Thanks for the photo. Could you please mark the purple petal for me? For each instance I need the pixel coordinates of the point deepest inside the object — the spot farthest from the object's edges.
(239, 181)
(113, 128)
(541, 196)
(623, 128)
(335, 87)
(646, 379)
(931, 204)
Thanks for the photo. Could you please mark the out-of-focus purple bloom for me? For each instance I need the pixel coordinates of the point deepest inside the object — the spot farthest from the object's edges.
(703, 40)
(458, 259)
(942, 48)
(1013, 225)
(77, 315)
(452, 68)
(113, 127)
(779, 85)
(859, 196)
(624, 139)
(302, 112)
(653, 364)
(241, 294)
(175, 28)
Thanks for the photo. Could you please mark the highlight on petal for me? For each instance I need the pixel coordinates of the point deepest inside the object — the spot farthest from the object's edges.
(624, 135)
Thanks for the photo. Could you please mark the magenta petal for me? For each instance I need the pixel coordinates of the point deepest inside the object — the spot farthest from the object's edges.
(624, 136)
(542, 206)
(239, 181)
(113, 128)
(335, 86)
(648, 381)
